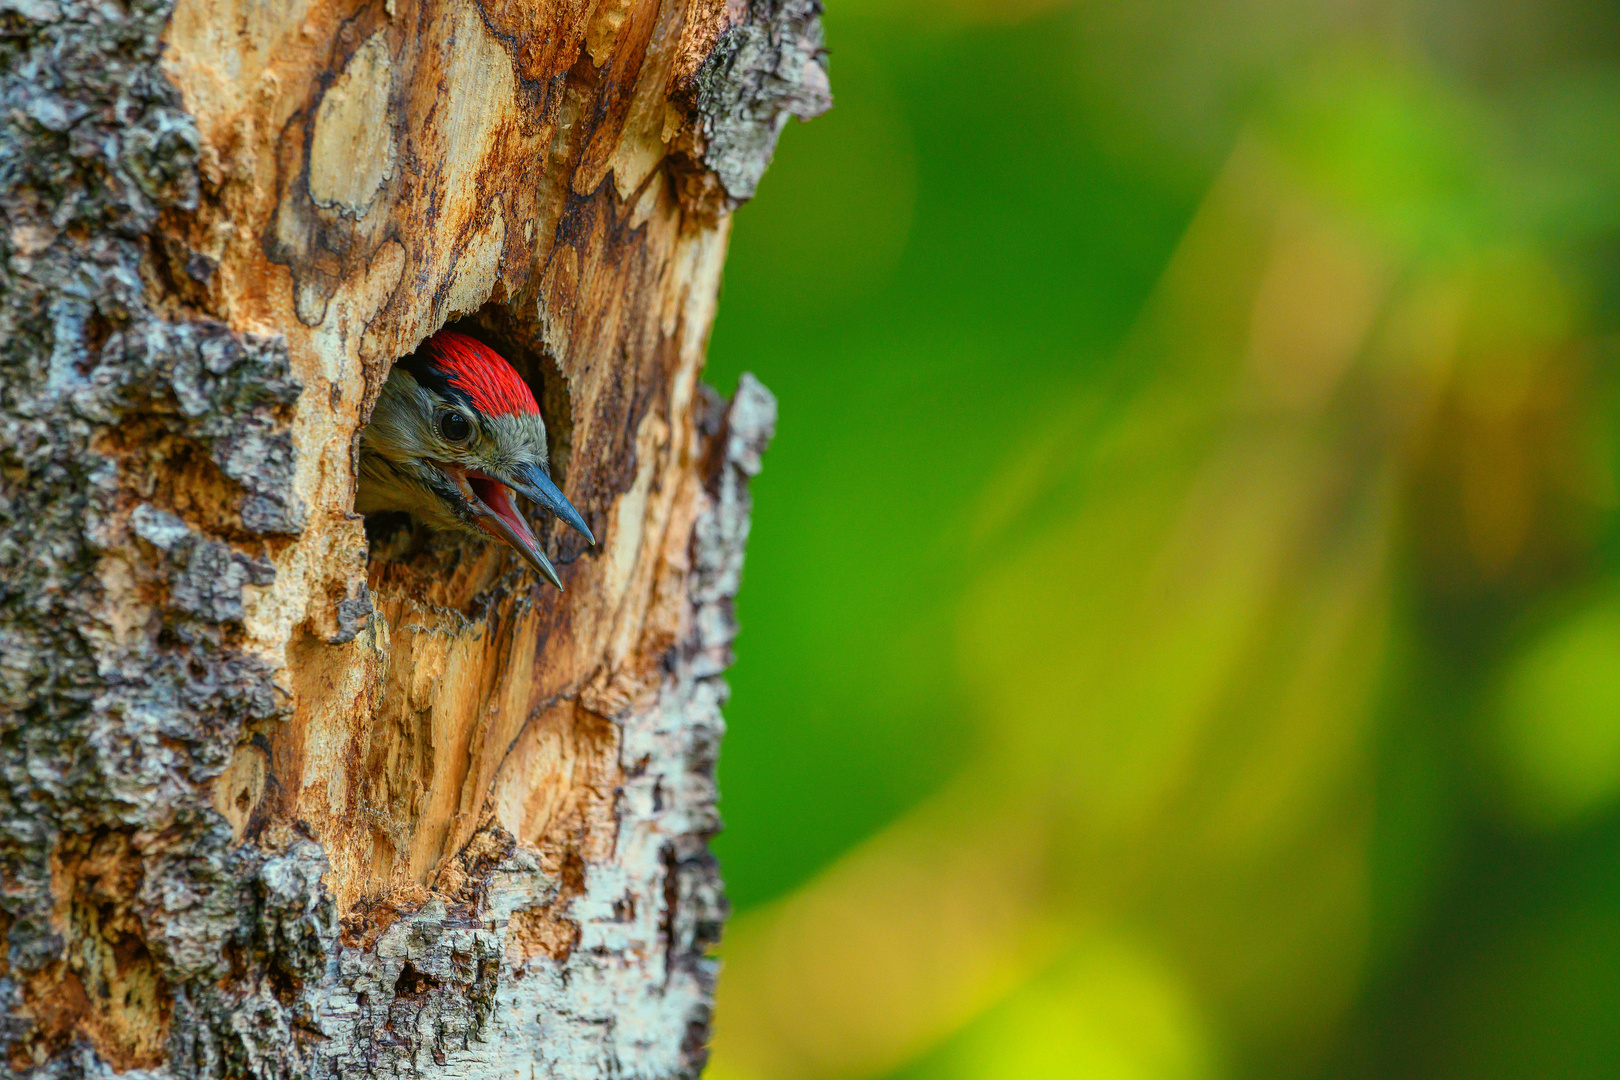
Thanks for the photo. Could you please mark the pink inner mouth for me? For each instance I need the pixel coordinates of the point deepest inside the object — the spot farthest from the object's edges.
(498, 497)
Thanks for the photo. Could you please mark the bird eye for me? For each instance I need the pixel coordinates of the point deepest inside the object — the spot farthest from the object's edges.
(454, 427)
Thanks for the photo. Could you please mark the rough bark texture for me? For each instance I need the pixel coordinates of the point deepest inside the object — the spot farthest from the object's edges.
(278, 800)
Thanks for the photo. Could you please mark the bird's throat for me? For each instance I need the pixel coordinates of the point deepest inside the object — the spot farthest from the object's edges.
(498, 497)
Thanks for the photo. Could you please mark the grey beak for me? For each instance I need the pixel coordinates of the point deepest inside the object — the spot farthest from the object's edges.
(504, 521)
(538, 487)
(524, 543)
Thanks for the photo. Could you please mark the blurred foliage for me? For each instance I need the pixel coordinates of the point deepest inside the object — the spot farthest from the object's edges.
(1182, 631)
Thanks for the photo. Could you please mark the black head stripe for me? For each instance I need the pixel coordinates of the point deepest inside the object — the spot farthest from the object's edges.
(425, 371)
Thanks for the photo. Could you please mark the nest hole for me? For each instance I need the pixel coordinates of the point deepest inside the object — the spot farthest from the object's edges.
(439, 566)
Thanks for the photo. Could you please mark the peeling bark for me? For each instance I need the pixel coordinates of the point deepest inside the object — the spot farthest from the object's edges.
(282, 800)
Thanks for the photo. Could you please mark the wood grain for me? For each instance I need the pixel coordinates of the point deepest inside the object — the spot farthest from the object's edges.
(388, 805)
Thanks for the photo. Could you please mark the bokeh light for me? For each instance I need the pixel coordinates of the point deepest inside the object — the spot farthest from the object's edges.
(1181, 636)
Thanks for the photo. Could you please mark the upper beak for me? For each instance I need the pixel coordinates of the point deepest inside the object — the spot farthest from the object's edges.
(534, 483)
(490, 500)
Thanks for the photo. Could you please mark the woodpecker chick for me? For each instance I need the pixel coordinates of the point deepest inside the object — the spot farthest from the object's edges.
(454, 433)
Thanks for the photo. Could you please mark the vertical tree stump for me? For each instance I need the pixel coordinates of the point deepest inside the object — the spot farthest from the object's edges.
(279, 800)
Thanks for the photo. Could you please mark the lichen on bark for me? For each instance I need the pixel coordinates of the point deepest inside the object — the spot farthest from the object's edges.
(181, 588)
(766, 70)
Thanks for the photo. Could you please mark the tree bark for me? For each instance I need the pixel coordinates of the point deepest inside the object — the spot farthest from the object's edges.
(281, 800)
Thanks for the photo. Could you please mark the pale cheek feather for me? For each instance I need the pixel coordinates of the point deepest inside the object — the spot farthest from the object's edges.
(384, 488)
(392, 452)
(517, 440)
(400, 425)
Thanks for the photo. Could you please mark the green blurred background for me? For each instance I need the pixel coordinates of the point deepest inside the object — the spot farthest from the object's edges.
(1182, 625)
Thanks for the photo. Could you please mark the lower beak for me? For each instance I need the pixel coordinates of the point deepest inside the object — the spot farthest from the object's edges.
(491, 501)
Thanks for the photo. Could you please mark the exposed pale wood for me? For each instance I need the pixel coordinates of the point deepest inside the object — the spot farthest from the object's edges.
(280, 802)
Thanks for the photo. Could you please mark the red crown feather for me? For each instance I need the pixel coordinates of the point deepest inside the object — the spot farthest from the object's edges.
(482, 374)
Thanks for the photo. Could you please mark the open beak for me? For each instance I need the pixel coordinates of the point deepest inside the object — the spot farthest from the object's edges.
(491, 500)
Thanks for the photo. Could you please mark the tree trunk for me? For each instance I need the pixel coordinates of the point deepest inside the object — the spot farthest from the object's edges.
(279, 800)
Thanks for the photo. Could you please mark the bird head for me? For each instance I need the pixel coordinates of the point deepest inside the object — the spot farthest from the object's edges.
(454, 434)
